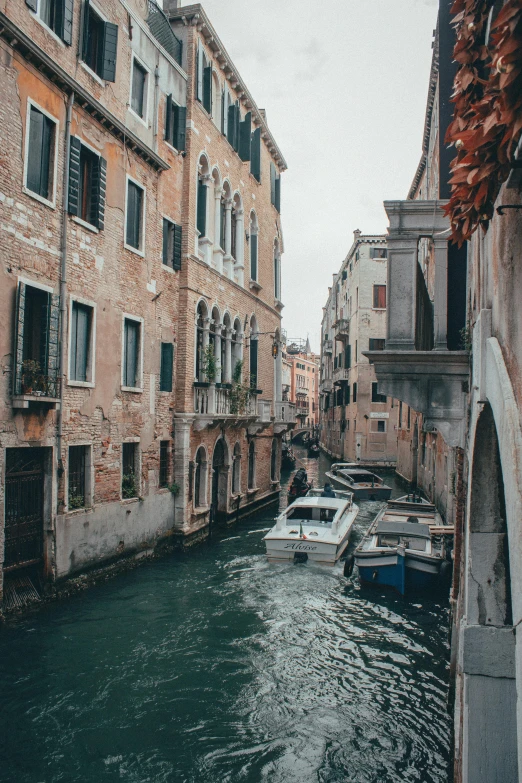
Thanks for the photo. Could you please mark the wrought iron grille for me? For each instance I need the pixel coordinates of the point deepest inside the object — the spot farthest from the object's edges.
(77, 475)
(164, 463)
(162, 31)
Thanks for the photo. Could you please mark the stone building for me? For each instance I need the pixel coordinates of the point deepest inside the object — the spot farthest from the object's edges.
(303, 367)
(358, 422)
(108, 282)
(453, 354)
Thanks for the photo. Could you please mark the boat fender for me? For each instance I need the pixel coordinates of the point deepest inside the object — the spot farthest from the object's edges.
(348, 566)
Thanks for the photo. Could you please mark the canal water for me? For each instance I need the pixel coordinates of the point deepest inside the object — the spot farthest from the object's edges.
(215, 666)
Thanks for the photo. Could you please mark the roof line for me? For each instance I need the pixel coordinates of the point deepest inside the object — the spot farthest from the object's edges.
(432, 91)
(197, 12)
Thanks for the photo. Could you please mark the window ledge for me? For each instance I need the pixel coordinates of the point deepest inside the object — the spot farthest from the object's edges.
(169, 269)
(255, 286)
(81, 384)
(172, 148)
(135, 389)
(23, 401)
(41, 199)
(84, 224)
(143, 120)
(127, 501)
(92, 73)
(252, 491)
(200, 510)
(74, 512)
(135, 250)
(49, 30)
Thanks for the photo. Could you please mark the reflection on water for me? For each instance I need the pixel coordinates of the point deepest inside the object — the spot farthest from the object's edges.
(218, 666)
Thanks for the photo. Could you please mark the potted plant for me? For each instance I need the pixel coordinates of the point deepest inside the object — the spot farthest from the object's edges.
(240, 392)
(31, 375)
(128, 485)
(209, 363)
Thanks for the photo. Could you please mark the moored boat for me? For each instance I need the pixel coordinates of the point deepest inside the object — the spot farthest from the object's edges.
(313, 450)
(313, 528)
(404, 548)
(364, 484)
(288, 458)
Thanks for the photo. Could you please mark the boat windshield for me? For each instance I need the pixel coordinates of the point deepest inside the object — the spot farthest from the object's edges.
(311, 515)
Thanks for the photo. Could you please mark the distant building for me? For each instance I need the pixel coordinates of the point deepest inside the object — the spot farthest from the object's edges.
(358, 422)
(302, 368)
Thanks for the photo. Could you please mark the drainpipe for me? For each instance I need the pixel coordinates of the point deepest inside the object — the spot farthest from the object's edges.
(156, 102)
(63, 281)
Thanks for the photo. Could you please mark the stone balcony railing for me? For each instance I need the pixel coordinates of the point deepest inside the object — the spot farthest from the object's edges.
(342, 329)
(217, 401)
(340, 374)
(328, 346)
(327, 385)
(417, 366)
(285, 411)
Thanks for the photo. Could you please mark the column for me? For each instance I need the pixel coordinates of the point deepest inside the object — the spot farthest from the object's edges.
(228, 239)
(206, 337)
(218, 252)
(279, 374)
(241, 338)
(217, 352)
(204, 242)
(182, 429)
(228, 355)
(401, 293)
(440, 304)
(239, 269)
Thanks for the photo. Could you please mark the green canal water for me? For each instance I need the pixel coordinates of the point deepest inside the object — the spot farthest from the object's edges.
(215, 666)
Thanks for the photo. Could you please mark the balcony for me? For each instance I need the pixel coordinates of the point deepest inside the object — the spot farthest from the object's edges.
(327, 385)
(328, 346)
(420, 365)
(342, 329)
(215, 404)
(37, 390)
(340, 375)
(285, 416)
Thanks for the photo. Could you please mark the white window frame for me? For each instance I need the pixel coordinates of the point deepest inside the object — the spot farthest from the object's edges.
(138, 319)
(138, 251)
(82, 61)
(145, 118)
(48, 202)
(137, 470)
(89, 478)
(91, 370)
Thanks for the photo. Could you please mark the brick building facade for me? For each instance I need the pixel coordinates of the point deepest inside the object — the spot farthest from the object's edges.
(104, 274)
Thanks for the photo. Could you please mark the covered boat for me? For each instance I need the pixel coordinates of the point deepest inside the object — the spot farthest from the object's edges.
(404, 548)
(313, 528)
(364, 484)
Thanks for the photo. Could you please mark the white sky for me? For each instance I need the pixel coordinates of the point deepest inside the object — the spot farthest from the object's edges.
(344, 84)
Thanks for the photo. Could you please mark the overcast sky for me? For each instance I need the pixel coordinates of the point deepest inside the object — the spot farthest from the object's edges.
(344, 85)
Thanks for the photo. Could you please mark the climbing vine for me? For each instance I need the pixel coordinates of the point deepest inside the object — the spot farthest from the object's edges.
(487, 120)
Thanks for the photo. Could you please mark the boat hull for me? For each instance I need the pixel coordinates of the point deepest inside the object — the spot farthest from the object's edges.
(399, 572)
(286, 549)
(361, 493)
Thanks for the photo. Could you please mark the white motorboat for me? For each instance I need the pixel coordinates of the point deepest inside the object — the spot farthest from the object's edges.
(364, 484)
(313, 528)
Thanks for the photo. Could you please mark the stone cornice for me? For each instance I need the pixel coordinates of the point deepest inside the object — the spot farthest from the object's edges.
(432, 91)
(34, 55)
(196, 15)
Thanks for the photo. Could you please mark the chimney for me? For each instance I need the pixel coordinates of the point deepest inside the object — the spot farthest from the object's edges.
(356, 234)
(169, 6)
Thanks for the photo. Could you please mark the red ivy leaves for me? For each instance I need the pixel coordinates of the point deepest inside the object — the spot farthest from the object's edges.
(487, 120)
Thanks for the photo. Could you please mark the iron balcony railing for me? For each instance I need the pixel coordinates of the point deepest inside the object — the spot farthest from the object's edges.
(342, 329)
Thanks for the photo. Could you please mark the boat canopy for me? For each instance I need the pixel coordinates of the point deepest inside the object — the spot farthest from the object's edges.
(312, 513)
(403, 529)
(359, 475)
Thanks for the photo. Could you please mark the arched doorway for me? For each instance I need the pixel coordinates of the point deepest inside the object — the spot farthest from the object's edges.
(219, 480)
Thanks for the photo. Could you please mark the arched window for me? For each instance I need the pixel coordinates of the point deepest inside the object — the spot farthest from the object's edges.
(254, 270)
(200, 479)
(236, 470)
(253, 352)
(202, 337)
(252, 465)
(273, 462)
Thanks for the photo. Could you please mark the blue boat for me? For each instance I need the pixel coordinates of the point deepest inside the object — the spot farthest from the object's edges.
(404, 551)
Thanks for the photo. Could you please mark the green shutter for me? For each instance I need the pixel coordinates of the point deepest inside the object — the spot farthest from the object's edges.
(19, 339)
(109, 52)
(167, 260)
(180, 127)
(130, 370)
(99, 186)
(169, 120)
(34, 151)
(231, 125)
(255, 160)
(253, 257)
(167, 364)
(207, 88)
(202, 209)
(253, 362)
(245, 132)
(32, 4)
(272, 184)
(199, 73)
(73, 202)
(277, 202)
(80, 341)
(237, 118)
(178, 233)
(224, 115)
(85, 29)
(67, 21)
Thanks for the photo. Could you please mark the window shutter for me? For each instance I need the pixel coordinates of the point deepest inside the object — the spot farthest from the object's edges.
(231, 125)
(34, 155)
(85, 29)
(180, 126)
(99, 187)
(223, 113)
(109, 52)
(202, 209)
(253, 256)
(32, 4)
(348, 357)
(169, 120)
(67, 21)
(131, 354)
(199, 73)
(255, 154)
(80, 341)
(178, 233)
(253, 362)
(167, 363)
(245, 132)
(52, 344)
(207, 88)
(237, 120)
(19, 339)
(272, 184)
(277, 202)
(73, 201)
